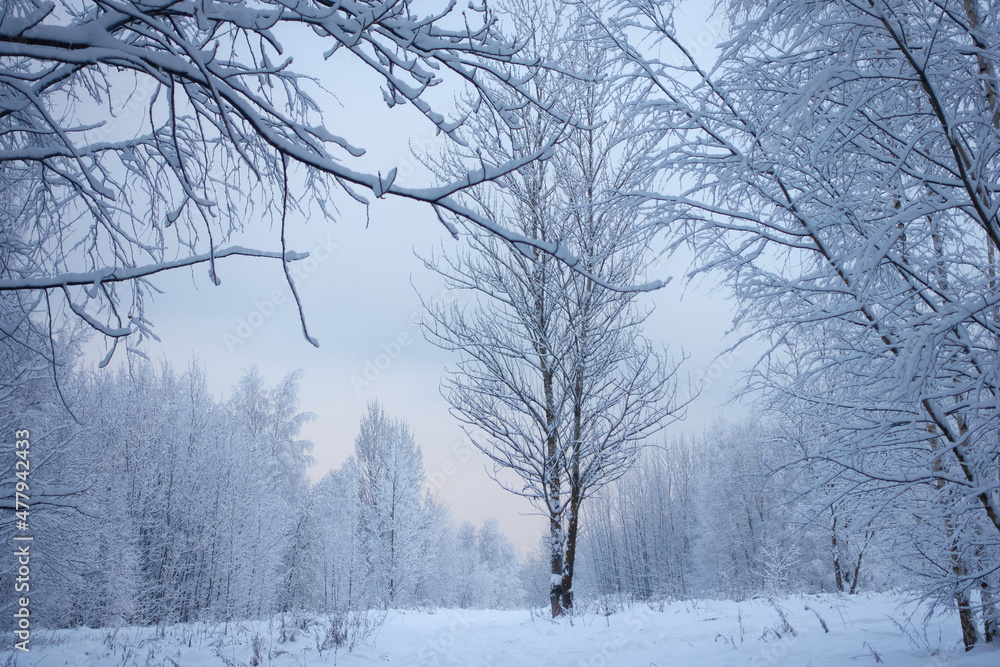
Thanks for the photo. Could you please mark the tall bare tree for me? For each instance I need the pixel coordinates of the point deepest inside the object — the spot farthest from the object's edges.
(553, 367)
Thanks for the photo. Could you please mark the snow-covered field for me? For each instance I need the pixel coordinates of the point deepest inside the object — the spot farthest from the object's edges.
(816, 630)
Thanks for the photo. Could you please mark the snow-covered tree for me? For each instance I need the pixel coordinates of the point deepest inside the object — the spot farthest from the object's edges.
(169, 510)
(335, 524)
(840, 164)
(553, 367)
(486, 570)
(390, 473)
(722, 515)
(41, 467)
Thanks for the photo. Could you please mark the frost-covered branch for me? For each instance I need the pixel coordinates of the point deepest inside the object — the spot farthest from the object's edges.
(137, 134)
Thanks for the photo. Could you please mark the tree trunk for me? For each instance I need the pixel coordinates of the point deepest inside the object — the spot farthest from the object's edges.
(968, 620)
(571, 537)
(965, 615)
(991, 613)
(985, 64)
(576, 496)
(857, 569)
(556, 560)
(555, 508)
(554, 490)
(837, 573)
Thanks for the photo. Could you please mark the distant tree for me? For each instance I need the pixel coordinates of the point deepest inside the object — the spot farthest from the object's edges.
(169, 485)
(390, 472)
(641, 530)
(501, 567)
(437, 579)
(723, 514)
(335, 523)
(486, 568)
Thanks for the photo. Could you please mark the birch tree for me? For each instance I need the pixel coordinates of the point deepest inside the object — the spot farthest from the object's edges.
(553, 367)
(839, 163)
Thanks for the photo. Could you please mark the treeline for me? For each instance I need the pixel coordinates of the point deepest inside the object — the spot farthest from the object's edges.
(724, 515)
(155, 502)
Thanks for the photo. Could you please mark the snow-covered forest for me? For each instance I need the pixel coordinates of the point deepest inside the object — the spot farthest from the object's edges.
(830, 169)
(163, 505)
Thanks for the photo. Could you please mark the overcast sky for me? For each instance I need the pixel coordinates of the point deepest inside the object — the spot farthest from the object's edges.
(360, 302)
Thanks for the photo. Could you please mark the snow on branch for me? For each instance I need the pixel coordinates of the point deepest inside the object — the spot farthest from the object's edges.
(224, 115)
(116, 274)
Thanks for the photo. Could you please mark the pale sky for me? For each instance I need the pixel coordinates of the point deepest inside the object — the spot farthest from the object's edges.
(360, 304)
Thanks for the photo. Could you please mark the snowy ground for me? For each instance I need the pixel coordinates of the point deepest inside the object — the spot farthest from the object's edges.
(862, 630)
